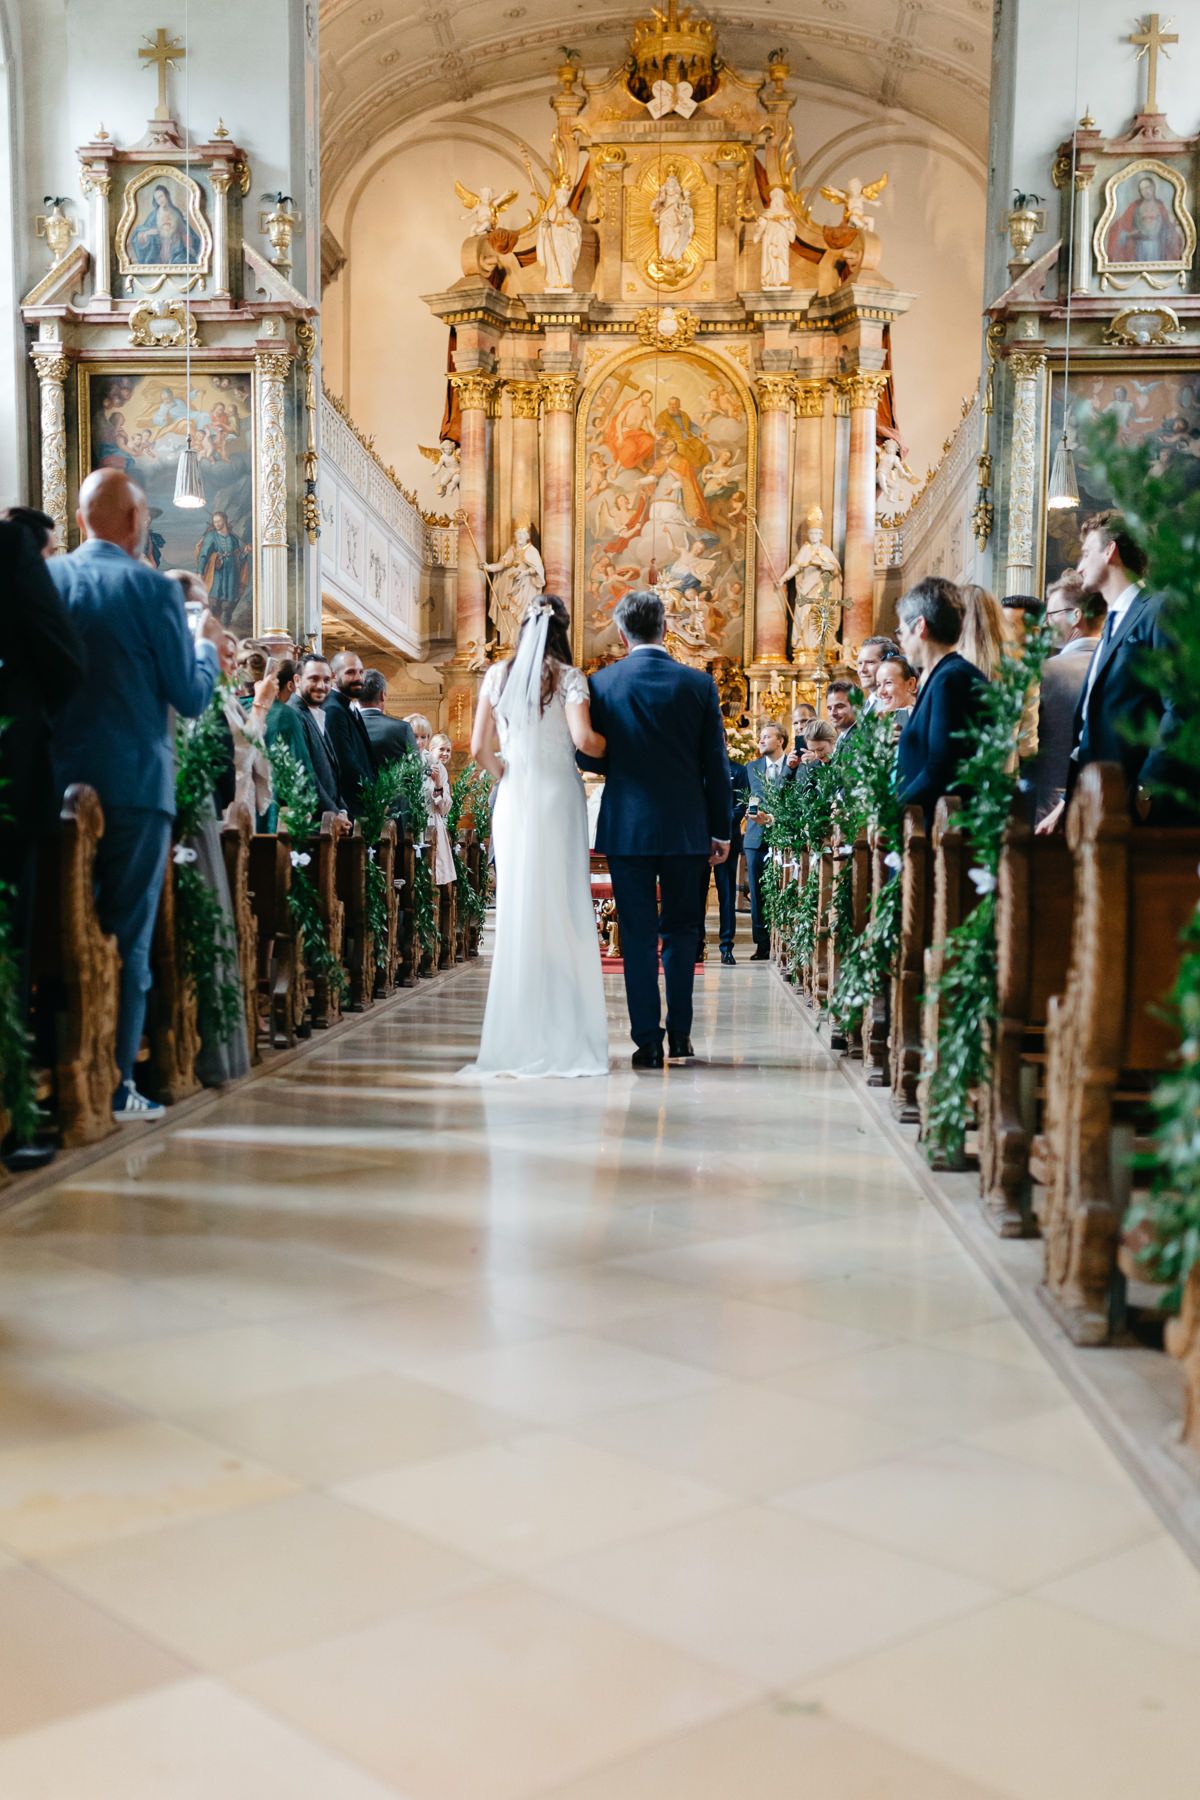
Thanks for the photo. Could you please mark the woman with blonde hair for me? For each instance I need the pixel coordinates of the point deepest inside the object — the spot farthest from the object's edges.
(437, 798)
(982, 638)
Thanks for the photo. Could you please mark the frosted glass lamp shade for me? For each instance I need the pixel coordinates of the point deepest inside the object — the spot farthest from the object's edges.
(189, 488)
(1063, 491)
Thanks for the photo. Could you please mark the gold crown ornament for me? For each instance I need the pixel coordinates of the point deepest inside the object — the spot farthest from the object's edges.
(673, 44)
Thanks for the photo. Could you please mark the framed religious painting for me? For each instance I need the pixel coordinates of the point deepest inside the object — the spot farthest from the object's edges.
(1145, 232)
(162, 231)
(1157, 404)
(136, 417)
(664, 471)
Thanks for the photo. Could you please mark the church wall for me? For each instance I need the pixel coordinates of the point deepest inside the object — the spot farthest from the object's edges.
(13, 211)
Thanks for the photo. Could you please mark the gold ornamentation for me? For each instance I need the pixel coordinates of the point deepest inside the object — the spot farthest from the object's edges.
(523, 398)
(736, 202)
(1147, 166)
(774, 393)
(474, 390)
(278, 227)
(1026, 365)
(163, 325)
(273, 369)
(52, 369)
(171, 178)
(95, 181)
(306, 337)
(221, 176)
(164, 53)
(1151, 42)
(1122, 329)
(274, 365)
(810, 399)
(340, 408)
(1060, 173)
(666, 328)
(854, 200)
(57, 230)
(558, 393)
(1023, 225)
(221, 133)
(242, 171)
(641, 231)
(865, 388)
(672, 45)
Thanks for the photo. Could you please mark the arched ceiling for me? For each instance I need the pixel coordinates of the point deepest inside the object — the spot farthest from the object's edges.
(385, 61)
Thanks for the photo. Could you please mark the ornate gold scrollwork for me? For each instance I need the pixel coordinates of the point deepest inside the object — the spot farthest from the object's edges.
(474, 390)
(524, 398)
(810, 399)
(865, 388)
(176, 324)
(666, 328)
(558, 392)
(774, 392)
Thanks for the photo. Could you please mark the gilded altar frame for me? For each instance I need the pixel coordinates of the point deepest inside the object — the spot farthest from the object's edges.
(604, 371)
(1177, 267)
(197, 268)
(172, 369)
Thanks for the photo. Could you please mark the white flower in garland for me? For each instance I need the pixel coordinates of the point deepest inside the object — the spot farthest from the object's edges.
(183, 854)
(300, 859)
(983, 881)
(371, 853)
(845, 850)
(893, 861)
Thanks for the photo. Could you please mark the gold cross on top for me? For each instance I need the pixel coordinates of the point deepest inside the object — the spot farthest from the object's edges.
(167, 55)
(1153, 42)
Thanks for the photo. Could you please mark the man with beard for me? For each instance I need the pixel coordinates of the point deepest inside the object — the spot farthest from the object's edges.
(347, 729)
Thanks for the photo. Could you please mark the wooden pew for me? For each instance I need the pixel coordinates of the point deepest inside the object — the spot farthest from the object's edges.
(447, 915)
(876, 1024)
(279, 965)
(916, 916)
(856, 870)
(473, 860)
(1135, 889)
(387, 954)
(410, 953)
(818, 970)
(358, 947)
(954, 898)
(76, 973)
(172, 1031)
(237, 836)
(1034, 901)
(325, 1000)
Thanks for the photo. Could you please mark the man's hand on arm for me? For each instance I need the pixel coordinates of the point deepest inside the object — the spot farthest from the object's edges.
(719, 851)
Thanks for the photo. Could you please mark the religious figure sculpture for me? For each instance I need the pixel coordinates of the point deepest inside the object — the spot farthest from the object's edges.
(894, 480)
(559, 241)
(818, 577)
(675, 218)
(522, 580)
(484, 208)
(775, 230)
(446, 471)
(854, 199)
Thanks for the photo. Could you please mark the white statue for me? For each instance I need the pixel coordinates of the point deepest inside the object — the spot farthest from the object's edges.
(776, 231)
(672, 212)
(484, 208)
(894, 480)
(522, 580)
(559, 241)
(854, 200)
(818, 577)
(446, 472)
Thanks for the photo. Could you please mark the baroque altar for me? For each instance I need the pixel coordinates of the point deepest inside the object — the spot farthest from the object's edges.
(667, 371)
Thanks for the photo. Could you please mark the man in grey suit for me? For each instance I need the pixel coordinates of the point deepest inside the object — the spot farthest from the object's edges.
(765, 776)
(115, 734)
(390, 738)
(1076, 618)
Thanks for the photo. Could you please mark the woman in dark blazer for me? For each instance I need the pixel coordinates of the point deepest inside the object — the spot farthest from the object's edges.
(932, 745)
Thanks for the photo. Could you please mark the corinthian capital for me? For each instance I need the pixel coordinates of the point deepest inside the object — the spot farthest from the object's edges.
(1026, 365)
(774, 392)
(810, 399)
(474, 390)
(51, 364)
(865, 387)
(558, 393)
(524, 398)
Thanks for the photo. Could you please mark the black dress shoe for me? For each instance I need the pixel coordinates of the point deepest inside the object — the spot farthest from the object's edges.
(727, 957)
(678, 1048)
(649, 1056)
(762, 954)
(23, 1158)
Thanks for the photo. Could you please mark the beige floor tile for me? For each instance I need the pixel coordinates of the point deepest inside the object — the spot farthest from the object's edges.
(778, 1751)
(1062, 1439)
(928, 1390)
(565, 1377)
(412, 1335)
(583, 1299)
(105, 1311)
(966, 1509)
(899, 1304)
(737, 1338)
(58, 1655)
(763, 1593)
(1152, 1589)
(249, 1584)
(110, 1484)
(193, 1741)
(749, 1440)
(996, 1340)
(37, 1406)
(1034, 1700)
(493, 1696)
(532, 1499)
(342, 1429)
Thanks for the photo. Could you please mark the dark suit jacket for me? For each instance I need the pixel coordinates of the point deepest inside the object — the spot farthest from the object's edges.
(760, 785)
(348, 738)
(41, 654)
(390, 738)
(930, 747)
(667, 789)
(322, 757)
(1124, 696)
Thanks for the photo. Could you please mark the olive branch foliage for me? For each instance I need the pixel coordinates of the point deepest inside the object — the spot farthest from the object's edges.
(18, 1088)
(297, 798)
(206, 939)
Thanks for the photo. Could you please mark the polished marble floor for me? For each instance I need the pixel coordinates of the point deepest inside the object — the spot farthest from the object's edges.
(652, 1439)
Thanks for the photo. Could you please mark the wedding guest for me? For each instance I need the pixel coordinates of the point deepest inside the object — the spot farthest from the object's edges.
(841, 710)
(38, 524)
(871, 654)
(390, 738)
(346, 731)
(114, 734)
(765, 776)
(725, 873)
(802, 714)
(1076, 620)
(981, 640)
(247, 729)
(441, 747)
(437, 796)
(820, 740)
(931, 745)
(896, 688)
(312, 691)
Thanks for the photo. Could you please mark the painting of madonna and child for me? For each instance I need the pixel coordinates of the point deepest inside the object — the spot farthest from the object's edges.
(665, 482)
(140, 423)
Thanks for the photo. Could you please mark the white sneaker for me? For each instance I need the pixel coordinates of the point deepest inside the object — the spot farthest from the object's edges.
(134, 1108)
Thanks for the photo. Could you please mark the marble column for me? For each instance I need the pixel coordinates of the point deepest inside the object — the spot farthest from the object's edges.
(97, 185)
(474, 391)
(810, 425)
(774, 514)
(558, 449)
(1027, 370)
(523, 399)
(863, 388)
(1082, 275)
(53, 367)
(221, 176)
(273, 369)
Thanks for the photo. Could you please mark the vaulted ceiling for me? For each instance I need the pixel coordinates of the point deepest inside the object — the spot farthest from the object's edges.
(385, 61)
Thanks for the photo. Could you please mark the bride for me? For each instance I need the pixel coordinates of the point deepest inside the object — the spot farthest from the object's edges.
(545, 1007)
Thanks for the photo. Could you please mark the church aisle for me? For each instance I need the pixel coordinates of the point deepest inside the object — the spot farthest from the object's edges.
(651, 1439)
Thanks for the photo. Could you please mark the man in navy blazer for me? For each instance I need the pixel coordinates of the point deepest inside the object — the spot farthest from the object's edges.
(665, 812)
(115, 733)
(931, 745)
(765, 776)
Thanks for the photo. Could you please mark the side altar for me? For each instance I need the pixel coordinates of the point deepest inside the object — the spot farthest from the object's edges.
(670, 374)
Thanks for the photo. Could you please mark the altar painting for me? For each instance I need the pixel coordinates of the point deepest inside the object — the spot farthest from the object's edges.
(665, 470)
(139, 422)
(1156, 407)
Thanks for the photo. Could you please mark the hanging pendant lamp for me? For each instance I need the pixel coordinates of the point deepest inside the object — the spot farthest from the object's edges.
(1063, 491)
(189, 486)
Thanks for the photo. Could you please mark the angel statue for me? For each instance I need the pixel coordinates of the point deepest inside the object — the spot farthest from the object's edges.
(559, 241)
(894, 480)
(818, 577)
(522, 580)
(775, 230)
(446, 474)
(672, 213)
(854, 199)
(484, 208)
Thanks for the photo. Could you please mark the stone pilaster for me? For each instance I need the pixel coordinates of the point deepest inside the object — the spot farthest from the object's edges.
(558, 393)
(474, 390)
(53, 367)
(773, 517)
(863, 389)
(273, 369)
(1027, 369)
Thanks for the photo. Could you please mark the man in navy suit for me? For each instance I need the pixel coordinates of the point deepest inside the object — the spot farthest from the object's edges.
(764, 776)
(1119, 699)
(931, 745)
(114, 734)
(665, 813)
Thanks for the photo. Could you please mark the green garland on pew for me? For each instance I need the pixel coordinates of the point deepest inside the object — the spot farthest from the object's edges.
(472, 788)
(966, 987)
(297, 797)
(867, 779)
(207, 941)
(425, 911)
(801, 821)
(377, 804)
(18, 1089)
(1164, 511)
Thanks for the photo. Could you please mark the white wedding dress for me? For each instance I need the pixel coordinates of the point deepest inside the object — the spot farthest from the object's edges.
(545, 1006)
